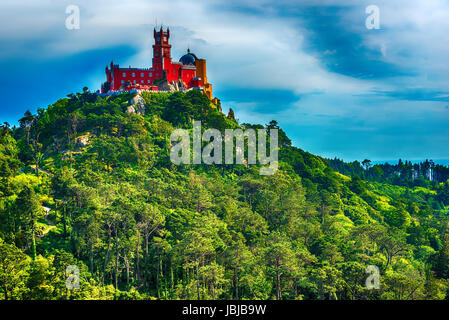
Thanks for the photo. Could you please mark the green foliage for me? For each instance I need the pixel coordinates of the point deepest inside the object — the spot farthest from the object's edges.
(138, 227)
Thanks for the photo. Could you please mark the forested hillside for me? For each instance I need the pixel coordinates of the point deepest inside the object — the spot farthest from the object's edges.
(404, 173)
(87, 182)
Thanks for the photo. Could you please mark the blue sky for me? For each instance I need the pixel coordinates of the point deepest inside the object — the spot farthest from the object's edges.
(336, 87)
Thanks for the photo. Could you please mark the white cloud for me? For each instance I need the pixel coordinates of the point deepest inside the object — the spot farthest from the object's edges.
(259, 51)
(247, 50)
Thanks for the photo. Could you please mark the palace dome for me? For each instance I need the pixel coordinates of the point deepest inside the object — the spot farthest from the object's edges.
(188, 58)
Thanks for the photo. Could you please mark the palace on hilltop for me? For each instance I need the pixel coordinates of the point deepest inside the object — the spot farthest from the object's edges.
(164, 75)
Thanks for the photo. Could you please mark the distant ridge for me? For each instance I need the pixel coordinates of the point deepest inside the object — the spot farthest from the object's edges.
(443, 162)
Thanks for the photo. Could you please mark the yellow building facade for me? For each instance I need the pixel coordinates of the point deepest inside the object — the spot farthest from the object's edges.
(201, 72)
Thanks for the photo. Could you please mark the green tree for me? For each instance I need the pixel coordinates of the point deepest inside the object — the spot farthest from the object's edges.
(281, 257)
(442, 263)
(30, 210)
(13, 268)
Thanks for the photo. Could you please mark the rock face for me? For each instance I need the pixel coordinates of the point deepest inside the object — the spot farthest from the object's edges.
(137, 105)
(179, 85)
(83, 141)
(172, 86)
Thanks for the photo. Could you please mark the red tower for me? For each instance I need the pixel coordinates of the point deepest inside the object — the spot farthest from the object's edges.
(161, 51)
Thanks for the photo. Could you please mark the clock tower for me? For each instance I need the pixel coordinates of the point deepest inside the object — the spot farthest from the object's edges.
(161, 50)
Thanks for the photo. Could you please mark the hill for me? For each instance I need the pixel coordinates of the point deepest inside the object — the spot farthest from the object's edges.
(136, 226)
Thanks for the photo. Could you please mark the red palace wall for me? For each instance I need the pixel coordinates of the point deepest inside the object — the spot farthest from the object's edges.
(162, 62)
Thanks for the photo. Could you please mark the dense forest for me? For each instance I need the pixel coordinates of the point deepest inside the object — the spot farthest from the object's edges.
(405, 173)
(88, 182)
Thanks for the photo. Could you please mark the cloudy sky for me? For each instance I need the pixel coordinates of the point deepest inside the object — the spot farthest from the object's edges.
(335, 86)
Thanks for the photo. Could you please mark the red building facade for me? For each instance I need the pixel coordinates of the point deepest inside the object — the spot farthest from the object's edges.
(163, 67)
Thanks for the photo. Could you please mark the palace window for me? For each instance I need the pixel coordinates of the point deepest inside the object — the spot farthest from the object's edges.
(141, 81)
(149, 81)
(134, 74)
(151, 74)
(124, 74)
(123, 81)
(141, 74)
(134, 81)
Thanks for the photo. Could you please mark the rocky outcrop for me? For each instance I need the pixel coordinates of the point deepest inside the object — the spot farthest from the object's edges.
(137, 105)
(172, 86)
(178, 85)
(83, 141)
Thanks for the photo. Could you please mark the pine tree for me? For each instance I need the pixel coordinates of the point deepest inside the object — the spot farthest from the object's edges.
(28, 205)
(442, 263)
(231, 114)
